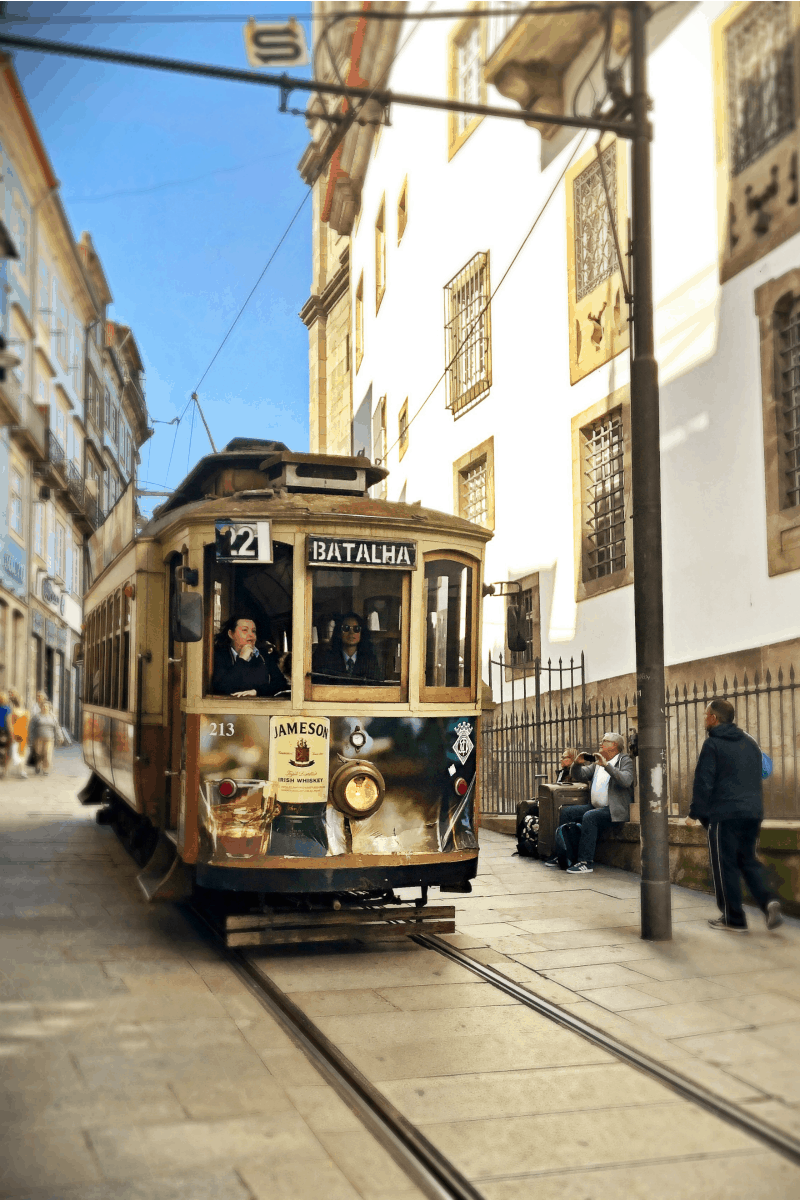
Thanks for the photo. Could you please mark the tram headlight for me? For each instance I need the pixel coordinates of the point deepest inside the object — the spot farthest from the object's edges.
(358, 788)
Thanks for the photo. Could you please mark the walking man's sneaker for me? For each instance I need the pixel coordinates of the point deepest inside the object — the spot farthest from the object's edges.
(721, 923)
(773, 914)
(580, 868)
(552, 861)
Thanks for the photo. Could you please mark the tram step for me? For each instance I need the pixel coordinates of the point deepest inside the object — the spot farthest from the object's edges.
(362, 924)
(378, 932)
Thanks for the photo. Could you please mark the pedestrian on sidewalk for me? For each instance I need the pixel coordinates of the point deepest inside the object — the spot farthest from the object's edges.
(42, 734)
(19, 733)
(6, 734)
(612, 776)
(727, 800)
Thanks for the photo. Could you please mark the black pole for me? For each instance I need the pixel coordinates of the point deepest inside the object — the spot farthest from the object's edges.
(648, 587)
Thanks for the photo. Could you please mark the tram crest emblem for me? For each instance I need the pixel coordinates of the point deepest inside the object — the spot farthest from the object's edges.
(463, 745)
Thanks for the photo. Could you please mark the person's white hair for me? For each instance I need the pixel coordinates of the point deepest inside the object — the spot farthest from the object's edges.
(613, 736)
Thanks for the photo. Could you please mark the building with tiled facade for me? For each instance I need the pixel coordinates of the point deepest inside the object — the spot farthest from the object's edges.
(72, 416)
(488, 337)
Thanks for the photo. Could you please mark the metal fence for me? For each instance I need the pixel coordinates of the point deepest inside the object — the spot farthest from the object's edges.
(523, 740)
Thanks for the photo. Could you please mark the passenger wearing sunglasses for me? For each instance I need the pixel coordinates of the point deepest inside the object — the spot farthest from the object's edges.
(350, 654)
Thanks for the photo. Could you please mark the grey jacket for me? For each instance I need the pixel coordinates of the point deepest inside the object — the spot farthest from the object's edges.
(620, 784)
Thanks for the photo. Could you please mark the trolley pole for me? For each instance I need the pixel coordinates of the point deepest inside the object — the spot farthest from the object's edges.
(648, 587)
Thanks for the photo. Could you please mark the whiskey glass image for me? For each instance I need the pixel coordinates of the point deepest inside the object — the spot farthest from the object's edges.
(238, 815)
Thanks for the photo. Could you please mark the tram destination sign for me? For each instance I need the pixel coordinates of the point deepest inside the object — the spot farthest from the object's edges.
(358, 552)
(244, 541)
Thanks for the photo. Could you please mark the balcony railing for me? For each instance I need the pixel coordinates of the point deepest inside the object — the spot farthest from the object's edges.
(75, 482)
(55, 452)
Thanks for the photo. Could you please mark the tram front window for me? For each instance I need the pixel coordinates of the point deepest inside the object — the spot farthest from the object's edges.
(251, 613)
(448, 624)
(356, 618)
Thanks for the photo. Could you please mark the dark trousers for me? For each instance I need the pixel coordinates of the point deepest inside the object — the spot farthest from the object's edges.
(732, 850)
(592, 822)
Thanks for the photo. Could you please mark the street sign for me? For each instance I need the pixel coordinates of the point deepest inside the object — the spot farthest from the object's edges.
(267, 45)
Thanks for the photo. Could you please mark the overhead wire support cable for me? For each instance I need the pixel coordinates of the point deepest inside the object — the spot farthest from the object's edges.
(385, 97)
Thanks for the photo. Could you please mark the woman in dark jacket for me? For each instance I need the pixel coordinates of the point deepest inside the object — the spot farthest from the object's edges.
(350, 655)
(241, 667)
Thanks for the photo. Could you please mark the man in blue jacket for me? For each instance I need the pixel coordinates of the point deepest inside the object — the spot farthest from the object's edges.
(726, 798)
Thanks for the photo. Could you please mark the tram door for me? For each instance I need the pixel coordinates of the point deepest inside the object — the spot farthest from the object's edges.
(174, 681)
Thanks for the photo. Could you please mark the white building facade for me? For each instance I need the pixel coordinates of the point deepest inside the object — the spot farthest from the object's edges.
(489, 335)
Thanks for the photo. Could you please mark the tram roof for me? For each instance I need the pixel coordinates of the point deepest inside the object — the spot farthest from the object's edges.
(303, 508)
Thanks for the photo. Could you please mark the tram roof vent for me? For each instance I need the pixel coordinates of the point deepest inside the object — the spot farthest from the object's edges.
(331, 473)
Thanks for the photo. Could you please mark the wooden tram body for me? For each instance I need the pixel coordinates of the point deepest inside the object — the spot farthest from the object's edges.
(340, 785)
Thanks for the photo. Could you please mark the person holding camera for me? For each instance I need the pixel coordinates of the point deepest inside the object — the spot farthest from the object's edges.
(611, 773)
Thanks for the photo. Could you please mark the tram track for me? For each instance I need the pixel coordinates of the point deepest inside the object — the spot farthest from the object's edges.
(426, 1166)
(775, 1139)
(422, 1162)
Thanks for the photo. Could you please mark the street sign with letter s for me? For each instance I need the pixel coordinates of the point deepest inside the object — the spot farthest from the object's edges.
(272, 44)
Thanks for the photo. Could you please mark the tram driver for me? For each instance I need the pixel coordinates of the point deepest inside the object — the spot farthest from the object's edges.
(244, 666)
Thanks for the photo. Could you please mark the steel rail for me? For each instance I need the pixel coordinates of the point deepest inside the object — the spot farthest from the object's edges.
(776, 1139)
(383, 97)
(412, 1152)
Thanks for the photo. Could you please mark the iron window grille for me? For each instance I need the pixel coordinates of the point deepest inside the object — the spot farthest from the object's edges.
(359, 321)
(474, 492)
(605, 490)
(760, 52)
(789, 414)
(468, 335)
(595, 251)
(468, 74)
(402, 429)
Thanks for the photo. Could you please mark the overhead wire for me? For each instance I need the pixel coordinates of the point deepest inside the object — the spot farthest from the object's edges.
(480, 315)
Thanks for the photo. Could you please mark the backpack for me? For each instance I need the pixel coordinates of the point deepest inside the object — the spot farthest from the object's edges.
(528, 829)
(565, 844)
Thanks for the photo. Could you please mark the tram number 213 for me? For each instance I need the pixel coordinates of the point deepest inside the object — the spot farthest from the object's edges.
(242, 541)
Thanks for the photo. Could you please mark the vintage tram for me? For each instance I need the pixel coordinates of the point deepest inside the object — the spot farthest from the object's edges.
(353, 770)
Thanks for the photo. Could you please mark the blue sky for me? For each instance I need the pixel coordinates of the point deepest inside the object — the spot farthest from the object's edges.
(186, 185)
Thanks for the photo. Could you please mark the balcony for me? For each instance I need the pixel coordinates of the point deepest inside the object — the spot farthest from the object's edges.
(81, 501)
(10, 397)
(530, 65)
(30, 430)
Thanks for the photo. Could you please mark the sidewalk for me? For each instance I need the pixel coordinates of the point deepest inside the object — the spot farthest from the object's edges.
(133, 1064)
(722, 1009)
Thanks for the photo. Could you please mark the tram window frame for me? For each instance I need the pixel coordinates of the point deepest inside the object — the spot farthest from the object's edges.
(211, 581)
(380, 693)
(430, 694)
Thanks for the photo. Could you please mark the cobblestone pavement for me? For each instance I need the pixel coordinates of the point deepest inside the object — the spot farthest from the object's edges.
(133, 1063)
(136, 1066)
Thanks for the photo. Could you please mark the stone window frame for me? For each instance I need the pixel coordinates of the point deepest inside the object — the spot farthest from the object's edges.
(528, 583)
(456, 136)
(380, 254)
(755, 180)
(402, 429)
(772, 300)
(586, 589)
(402, 211)
(359, 321)
(481, 453)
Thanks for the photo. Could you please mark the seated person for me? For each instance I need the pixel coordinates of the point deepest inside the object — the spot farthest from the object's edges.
(567, 759)
(242, 669)
(611, 795)
(350, 654)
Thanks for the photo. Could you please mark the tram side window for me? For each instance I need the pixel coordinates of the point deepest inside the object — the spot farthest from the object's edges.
(107, 651)
(250, 624)
(448, 624)
(357, 626)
